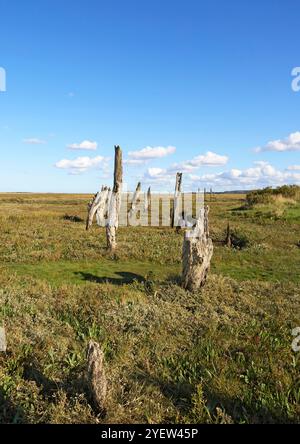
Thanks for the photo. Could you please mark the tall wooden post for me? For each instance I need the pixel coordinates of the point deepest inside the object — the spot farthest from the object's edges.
(197, 253)
(115, 202)
(177, 197)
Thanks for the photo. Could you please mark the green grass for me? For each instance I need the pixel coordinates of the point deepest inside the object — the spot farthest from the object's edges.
(79, 272)
(258, 263)
(254, 263)
(293, 213)
(221, 355)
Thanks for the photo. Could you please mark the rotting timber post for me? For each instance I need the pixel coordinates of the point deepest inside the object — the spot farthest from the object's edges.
(197, 253)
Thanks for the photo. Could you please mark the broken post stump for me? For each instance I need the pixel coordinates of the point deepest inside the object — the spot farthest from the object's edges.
(115, 202)
(96, 377)
(197, 253)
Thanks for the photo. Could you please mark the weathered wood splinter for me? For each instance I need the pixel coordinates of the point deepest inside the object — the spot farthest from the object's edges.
(97, 205)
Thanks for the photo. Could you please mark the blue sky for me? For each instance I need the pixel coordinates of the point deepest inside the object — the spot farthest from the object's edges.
(190, 85)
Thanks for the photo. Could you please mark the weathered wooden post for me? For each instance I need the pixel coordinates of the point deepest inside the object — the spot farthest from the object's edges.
(135, 200)
(115, 202)
(102, 207)
(197, 253)
(96, 205)
(96, 377)
(91, 211)
(147, 200)
(177, 198)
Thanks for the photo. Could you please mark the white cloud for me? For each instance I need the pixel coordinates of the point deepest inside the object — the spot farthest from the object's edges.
(150, 153)
(85, 145)
(106, 171)
(167, 175)
(290, 143)
(262, 174)
(34, 141)
(156, 172)
(209, 159)
(134, 162)
(80, 164)
(159, 176)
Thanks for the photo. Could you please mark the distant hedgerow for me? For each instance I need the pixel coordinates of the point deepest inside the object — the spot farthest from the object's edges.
(269, 194)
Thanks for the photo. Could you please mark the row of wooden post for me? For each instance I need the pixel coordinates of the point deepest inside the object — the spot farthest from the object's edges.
(210, 194)
(197, 245)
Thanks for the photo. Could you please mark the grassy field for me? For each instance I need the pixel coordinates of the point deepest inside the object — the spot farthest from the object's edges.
(222, 355)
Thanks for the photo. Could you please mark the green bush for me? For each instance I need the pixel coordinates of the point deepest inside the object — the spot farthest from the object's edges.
(267, 195)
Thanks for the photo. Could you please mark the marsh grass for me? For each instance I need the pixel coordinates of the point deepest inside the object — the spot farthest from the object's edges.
(221, 355)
